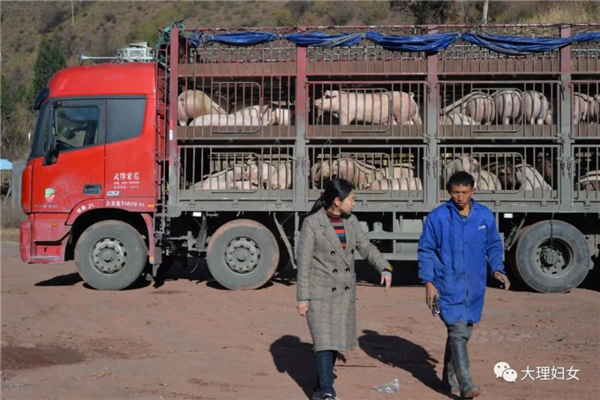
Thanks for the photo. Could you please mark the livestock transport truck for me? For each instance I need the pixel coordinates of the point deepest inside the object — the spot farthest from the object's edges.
(219, 144)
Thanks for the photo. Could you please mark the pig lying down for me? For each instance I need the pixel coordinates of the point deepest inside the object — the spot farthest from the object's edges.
(250, 175)
(361, 174)
(267, 115)
(396, 184)
(226, 120)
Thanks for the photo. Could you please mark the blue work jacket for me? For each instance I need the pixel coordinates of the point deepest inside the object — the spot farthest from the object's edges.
(454, 255)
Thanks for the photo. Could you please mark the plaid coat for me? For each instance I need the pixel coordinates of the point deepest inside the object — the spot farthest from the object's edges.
(326, 278)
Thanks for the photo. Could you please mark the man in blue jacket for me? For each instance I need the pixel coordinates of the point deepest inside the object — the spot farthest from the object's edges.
(458, 242)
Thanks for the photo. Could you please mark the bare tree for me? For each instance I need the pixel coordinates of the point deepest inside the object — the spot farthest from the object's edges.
(486, 5)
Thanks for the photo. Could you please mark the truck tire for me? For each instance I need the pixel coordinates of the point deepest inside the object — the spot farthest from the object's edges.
(110, 255)
(551, 257)
(242, 255)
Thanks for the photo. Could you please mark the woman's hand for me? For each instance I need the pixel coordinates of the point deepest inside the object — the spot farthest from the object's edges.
(302, 307)
(388, 281)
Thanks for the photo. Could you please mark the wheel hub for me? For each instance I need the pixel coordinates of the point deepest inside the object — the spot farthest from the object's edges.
(109, 255)
(551, 259)
(549, 256)
(242, 255)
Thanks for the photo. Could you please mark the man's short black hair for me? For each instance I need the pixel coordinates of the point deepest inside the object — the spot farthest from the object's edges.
(460, 178)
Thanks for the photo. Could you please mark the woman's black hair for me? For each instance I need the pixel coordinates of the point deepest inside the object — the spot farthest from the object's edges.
(335, 188)
(460, 178)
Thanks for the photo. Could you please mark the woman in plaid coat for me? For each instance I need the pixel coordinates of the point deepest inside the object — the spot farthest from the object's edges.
(326, 284)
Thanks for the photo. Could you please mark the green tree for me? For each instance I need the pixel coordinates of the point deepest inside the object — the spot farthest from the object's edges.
(425, 12)
(284, 18)
(7, 100)
(50, 59)
(298, 8)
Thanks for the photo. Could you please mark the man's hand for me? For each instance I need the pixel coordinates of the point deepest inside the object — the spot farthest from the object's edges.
(302, 308)
(430, 292)
(500, 277)
(388, 281)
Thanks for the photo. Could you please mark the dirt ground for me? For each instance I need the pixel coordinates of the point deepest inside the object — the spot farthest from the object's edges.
(190, 339)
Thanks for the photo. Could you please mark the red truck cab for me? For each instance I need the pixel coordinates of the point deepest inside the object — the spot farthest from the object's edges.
(92, 159)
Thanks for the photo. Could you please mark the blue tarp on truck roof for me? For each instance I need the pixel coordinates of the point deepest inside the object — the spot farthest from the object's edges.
(511, 45)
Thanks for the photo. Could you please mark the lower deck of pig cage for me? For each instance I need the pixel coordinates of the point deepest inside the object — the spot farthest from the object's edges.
(510, 173)
(379, 173)
(236, 172)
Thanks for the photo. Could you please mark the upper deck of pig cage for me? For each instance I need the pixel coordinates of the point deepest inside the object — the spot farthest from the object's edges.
(358, 54)
(585, 56)
(255, 87)
(500, 109)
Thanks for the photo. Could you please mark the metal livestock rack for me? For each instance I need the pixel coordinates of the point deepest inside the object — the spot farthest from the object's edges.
(270, 163)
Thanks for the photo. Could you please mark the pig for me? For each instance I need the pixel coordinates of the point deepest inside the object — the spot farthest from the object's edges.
(507, 176)
(484, 180)
(522, 177)
(529, 179)
(477, 105)
(284, 175)
(356, 172)
(580, 108)
(396, 184)
(225, 120)
(244, 185)
(545, 167)
(194, 103)
(256, 111)
(594, 109)
(405, 170)
(222, 180)
(278, 116)
(416, 120)
(590, 181)
(481, 108)
(405, 109)
(458, 119)
(262, 173)
(320, 173)
(508, 106)
(536, 108)
(370, 108)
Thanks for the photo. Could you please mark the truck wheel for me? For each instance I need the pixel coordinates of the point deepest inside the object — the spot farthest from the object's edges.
(552, 257)
(242, 254)
(110, 255)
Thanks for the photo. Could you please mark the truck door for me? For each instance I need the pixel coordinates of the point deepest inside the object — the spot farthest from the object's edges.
(70, 168)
